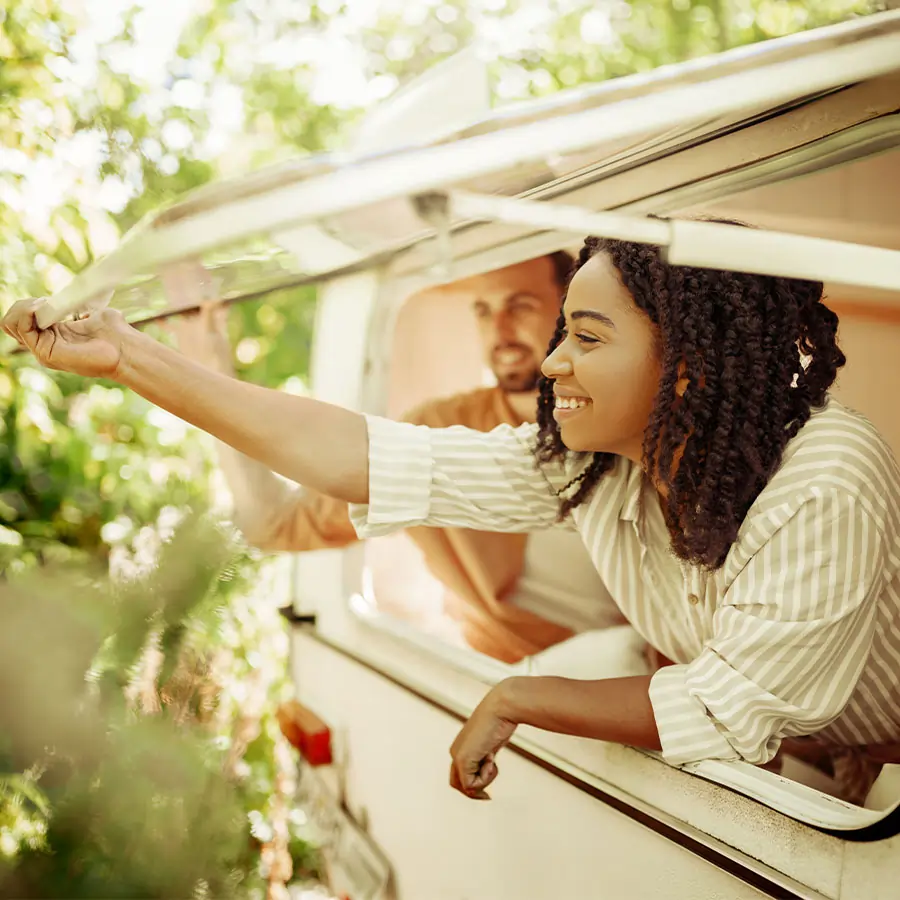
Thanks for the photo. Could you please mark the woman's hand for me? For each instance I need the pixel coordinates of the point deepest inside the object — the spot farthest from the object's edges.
(607, 709)
(477, 745)
(91, 346)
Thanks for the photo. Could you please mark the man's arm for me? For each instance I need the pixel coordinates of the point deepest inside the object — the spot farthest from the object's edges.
(272, 514)
(276, 516)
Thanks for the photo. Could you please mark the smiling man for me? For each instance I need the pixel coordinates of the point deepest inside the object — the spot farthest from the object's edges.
(514, 595)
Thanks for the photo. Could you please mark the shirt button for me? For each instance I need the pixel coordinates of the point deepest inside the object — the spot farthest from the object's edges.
(693, 599)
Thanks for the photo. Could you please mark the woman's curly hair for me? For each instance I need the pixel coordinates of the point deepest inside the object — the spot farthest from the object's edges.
(758, 353)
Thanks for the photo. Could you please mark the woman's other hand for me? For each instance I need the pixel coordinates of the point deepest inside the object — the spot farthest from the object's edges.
(476, 746)
(92, 346)
(605, 709)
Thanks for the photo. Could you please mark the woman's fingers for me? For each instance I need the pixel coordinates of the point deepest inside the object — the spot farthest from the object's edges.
(486, 774)
(475, 748)
(97, 324)
(464, 784)
(90, 346)
(13, 316)
(455, 781)
(470, 776)
(19, 323)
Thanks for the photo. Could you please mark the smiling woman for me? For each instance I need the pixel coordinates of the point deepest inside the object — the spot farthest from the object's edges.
(701, 374)
(604, 351)
(744, 522)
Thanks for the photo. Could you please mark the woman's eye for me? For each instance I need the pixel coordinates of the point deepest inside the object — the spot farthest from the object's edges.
(588, 339)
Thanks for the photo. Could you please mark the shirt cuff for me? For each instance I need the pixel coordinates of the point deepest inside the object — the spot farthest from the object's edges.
(686, 732)
(400, 466)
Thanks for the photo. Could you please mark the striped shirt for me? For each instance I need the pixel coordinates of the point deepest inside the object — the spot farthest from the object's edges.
(798, 633)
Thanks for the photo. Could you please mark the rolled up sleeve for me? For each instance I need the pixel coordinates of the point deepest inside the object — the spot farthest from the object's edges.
(790, 640)
(455, 477)
(400, 471)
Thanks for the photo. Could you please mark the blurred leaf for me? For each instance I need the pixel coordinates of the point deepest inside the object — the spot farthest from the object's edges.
(23, 786)
(141, 807)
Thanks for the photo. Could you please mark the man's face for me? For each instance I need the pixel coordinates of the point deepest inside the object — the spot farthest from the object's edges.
(516, 309)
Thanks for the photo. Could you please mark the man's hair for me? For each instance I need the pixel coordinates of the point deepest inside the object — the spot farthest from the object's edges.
(563, 264)
(758, 352)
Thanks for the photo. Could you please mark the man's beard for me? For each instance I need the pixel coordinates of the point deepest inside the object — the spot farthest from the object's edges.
(519, 382)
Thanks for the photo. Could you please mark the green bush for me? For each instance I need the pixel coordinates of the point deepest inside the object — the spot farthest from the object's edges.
(123, 799)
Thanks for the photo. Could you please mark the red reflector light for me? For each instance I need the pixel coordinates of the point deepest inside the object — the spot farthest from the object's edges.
(305, 731)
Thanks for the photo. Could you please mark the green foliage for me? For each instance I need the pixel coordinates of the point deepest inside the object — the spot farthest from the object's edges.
(128, 805)
(588, 45)
(97, 478)
(78, 468)
(273, 336)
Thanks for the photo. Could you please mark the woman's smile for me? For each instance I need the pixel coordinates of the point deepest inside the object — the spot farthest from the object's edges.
(566, 408)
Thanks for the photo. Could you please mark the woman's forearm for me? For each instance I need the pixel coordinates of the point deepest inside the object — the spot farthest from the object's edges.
(614, 709)
(321, 446)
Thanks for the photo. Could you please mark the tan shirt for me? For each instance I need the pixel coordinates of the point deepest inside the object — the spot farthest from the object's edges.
(480, 568)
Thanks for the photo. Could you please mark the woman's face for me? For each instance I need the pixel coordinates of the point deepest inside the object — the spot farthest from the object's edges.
(606, 371)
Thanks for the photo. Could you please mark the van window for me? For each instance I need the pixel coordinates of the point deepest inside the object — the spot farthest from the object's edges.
(435, 354)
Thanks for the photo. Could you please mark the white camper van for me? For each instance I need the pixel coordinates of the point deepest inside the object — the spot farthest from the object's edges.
(800, 136)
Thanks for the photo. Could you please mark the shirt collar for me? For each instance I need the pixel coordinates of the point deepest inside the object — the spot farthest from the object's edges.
(634, 483)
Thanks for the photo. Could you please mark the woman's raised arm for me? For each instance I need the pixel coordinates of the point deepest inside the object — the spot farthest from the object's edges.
(321, 446)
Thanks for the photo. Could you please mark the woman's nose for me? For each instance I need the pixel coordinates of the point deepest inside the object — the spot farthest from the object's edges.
(557, 364)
